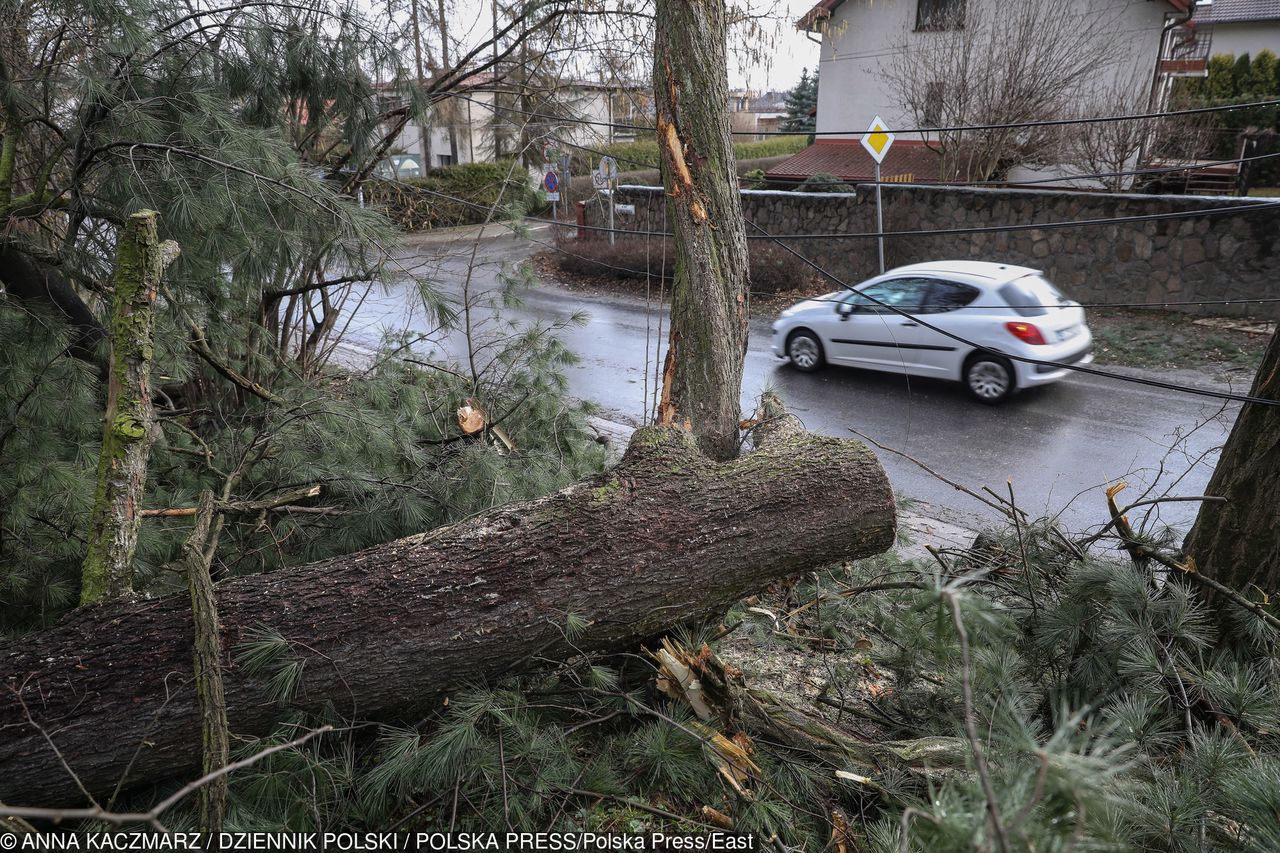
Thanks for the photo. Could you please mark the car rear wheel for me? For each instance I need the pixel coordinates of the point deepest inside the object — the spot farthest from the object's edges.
(805, 351)
(989, 378)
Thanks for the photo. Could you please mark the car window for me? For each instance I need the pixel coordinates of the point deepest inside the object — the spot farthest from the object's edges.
(1032, 296)
(905, 294)
(948, 296)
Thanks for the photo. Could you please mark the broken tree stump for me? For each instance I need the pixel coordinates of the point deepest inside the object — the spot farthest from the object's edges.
(666, 536)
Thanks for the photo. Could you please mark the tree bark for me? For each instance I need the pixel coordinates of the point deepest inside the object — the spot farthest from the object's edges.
(1237, 542)
(666, 536)
(702, 377)
(207, 659)
(129, 427)
(32, 281)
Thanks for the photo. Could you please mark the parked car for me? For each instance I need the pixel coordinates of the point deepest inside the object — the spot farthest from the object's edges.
(990, 311)
(398, 167)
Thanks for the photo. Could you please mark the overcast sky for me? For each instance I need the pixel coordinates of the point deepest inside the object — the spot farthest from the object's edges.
(777, 62)
(791, 52)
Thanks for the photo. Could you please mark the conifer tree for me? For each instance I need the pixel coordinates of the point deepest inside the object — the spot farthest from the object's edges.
(249, 129)
(801, 103)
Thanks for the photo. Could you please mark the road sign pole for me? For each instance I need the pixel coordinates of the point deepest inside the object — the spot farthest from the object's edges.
(609, 171)
(566, 181)
(612, 186)
(879, 220)
(877, 141)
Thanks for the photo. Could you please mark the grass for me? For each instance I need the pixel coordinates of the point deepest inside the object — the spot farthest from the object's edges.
(1166, 340)
(1265, 192)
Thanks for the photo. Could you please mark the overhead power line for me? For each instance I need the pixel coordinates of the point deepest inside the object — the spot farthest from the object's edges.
(1149, 170)
(1260, 206)
(1078, 368)
(1093, 371)
(1057, 122)
(632, 271)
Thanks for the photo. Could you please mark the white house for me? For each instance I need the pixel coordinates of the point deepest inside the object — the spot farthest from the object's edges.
(860, 39)
(482, 124)
(1240, 26)
(754, 115)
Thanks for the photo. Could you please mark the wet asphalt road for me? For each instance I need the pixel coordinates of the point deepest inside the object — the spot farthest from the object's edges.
(1053, 443)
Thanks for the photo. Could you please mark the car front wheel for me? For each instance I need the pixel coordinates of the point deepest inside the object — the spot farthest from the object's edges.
(989, 378)
(805, 351)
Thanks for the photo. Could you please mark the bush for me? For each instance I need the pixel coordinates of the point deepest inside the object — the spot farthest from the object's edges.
(825, 183)
(777, 146)
(418, 204)
(773, 269)
(644, 154)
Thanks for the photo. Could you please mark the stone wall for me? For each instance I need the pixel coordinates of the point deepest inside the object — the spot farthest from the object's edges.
(1226, 256)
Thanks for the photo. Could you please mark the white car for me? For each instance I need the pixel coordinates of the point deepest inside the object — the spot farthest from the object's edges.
(980, 312)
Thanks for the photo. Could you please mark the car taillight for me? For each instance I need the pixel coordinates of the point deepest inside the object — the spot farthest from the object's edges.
(1025, 332)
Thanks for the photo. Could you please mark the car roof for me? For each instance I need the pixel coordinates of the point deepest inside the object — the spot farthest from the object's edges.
(980, 272)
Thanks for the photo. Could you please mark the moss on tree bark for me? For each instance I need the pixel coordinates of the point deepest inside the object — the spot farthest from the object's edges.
(129, 426)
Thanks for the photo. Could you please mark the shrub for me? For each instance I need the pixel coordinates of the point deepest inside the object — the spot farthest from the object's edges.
(644, 154)
(419, 204)
(777, 146)
(773, 269)
(825, 183)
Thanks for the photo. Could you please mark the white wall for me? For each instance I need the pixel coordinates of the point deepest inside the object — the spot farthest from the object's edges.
(472, 124)
(1237, 39)
(863, 34)
(850, 92)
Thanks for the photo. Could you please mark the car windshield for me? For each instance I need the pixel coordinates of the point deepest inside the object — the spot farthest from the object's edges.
(1032, 296)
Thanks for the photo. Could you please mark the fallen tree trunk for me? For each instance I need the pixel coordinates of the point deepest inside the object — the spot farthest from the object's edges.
(666, 536)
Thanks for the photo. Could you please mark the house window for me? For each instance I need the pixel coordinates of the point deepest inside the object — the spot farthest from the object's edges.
(933, 95)
(444, 159)
(940, 14)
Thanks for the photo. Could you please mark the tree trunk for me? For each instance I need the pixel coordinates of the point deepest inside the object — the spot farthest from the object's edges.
(666, 536)
(211, 700)
(702, 377)
(1237, 543)
(129, 427)
(29, 280)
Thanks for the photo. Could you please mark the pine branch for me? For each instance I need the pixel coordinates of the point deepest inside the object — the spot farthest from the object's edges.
(971, 728)
(200, 345)
(153, 815)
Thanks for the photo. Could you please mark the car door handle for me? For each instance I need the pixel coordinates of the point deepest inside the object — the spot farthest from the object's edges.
(910, 324)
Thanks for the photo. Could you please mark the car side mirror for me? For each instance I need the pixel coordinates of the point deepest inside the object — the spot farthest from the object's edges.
(844, 309)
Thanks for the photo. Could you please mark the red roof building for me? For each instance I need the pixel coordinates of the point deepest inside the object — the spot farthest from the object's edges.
(909, 161)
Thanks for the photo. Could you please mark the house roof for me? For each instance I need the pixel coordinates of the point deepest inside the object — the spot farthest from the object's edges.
(908, 161)
(826, 8)
(1238, 11)
(818, 13)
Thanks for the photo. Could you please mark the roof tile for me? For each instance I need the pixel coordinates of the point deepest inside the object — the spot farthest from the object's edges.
(908, 161)
(1236, 11)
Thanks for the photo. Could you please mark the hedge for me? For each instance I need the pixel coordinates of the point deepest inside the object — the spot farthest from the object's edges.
(413, 205)
(773, 269)
(633, 156)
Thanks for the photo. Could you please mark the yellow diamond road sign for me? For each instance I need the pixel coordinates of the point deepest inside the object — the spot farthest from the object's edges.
(877, 140)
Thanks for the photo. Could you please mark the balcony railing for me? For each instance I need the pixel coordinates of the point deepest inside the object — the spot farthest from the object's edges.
(1186, 51)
